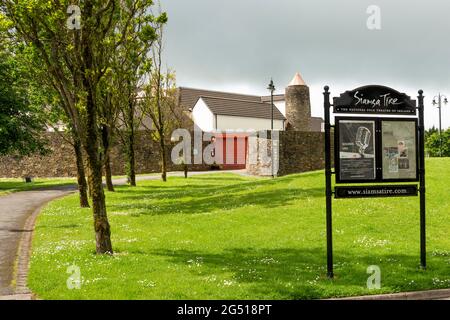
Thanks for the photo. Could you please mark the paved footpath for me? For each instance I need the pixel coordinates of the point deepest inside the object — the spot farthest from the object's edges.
(18, 212)
(15, 209)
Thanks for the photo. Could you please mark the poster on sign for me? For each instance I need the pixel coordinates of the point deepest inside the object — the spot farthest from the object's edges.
(356, 147)
(399, 143)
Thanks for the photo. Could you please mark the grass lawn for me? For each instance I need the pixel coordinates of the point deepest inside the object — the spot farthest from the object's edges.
(231, 237)
(8, 185)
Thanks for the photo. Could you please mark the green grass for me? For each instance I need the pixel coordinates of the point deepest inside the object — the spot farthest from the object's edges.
(8, 185)
(231, 237)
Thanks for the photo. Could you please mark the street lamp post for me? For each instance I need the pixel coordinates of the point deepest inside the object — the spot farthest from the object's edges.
(439, 98)
(271, 88)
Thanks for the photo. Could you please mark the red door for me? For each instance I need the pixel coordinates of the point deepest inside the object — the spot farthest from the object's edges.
(231, 151)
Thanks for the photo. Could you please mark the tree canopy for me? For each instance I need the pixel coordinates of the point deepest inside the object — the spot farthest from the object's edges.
(21, 123)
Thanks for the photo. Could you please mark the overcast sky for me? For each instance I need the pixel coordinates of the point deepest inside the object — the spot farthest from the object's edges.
(237, 45)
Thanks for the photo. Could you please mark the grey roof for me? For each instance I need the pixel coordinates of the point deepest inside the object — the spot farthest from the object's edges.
(188, 97)
(242, 108)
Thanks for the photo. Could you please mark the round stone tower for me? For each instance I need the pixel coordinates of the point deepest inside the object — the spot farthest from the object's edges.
(298, 105)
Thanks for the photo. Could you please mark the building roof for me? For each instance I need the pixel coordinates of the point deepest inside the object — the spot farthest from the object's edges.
(189, 96)
(297, 80)
(242, 108)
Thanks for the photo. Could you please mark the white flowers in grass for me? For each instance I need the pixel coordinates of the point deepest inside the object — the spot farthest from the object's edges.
(61, 246)
(227, 283)
(371, 243)
(197, 262)
(444, 283)
(147, 283)
(268, 260)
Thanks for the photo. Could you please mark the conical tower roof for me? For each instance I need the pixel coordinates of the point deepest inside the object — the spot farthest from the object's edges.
(297, 80)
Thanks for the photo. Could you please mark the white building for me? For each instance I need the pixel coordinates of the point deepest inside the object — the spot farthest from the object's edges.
(220, 114)
(219, 111)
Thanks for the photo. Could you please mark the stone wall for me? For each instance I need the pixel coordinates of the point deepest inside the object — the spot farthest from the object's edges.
(60, 162)
(298, 151)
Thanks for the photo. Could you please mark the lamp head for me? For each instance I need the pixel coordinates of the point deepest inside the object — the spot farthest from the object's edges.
(271, 86)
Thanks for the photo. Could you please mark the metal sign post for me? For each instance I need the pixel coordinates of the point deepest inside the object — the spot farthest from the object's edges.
(375, 149)
(423, 254)
(328, 192)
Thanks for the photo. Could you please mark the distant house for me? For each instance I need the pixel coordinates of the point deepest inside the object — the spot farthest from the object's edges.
(215, 113)
(216, 110)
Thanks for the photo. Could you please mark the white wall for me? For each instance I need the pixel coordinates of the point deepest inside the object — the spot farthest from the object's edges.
(246, 123)
(203, 117)
(281, 105)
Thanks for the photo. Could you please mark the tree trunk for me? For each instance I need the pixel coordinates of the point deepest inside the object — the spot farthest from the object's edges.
(101, 223)
(91, 145)
(81, 176)
(185, 167)
(131, 160)
(131, 165)
(107, 160)
(108, 173)
(163, 157)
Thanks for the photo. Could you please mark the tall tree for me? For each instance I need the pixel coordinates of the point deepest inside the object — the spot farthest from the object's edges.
(131, 63)
(160, 102)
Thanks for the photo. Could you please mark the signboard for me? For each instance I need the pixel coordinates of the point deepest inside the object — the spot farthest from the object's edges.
(375, 191)
(374, 100)
(375, 150)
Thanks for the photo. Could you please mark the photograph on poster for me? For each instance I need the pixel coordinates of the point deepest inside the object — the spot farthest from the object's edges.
(356, 149)
(399, 147)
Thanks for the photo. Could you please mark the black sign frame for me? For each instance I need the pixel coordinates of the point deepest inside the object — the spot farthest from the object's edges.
(345, 100)
(378, 149)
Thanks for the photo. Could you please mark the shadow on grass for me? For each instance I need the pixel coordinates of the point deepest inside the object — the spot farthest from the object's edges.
(211, 196)
(288, 273)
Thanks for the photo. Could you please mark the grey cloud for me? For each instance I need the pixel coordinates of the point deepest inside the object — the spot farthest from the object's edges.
(218, 43)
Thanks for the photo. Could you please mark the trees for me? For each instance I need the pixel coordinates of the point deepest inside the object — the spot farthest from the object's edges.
(433, 144)
(76, 53)
(75, 61)
(21, 122)
(131, 63)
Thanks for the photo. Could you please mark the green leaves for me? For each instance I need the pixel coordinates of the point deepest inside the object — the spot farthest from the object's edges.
(148, 34)
(162, 19)
(437, 144)
(21, 124)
